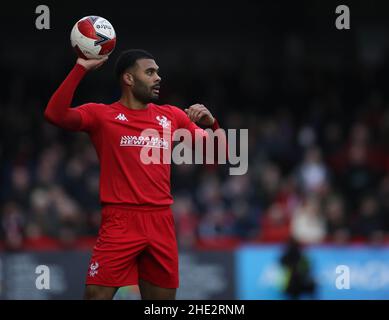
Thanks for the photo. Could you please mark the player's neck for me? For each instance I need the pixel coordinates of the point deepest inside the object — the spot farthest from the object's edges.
(132, 103)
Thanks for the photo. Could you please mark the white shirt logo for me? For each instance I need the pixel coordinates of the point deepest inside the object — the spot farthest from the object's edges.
(140, 141)
(163, 121)
(122, 117)
(93, 269)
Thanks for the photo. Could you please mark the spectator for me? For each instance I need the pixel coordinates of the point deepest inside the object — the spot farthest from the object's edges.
(358, 177)
(337, 227)
(186, 221)
(368, 223)
(308, 225)
(312, 174)
(297, 269)
(12, 222)
(275, 224)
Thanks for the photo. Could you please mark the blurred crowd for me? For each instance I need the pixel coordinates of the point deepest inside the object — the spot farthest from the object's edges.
(317, 186)
(318, 155)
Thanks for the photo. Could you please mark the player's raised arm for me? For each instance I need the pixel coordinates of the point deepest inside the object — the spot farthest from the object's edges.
(58, 110)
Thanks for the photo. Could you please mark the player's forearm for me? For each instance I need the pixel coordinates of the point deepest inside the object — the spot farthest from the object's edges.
(58, 109)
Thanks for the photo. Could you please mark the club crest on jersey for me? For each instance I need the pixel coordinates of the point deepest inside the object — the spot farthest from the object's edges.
(93, 269)
(163, 121)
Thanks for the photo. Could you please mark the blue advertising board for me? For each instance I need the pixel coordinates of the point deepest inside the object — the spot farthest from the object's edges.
(259, 274)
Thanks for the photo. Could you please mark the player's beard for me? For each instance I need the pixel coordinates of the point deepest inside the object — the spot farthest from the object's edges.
(142, 92)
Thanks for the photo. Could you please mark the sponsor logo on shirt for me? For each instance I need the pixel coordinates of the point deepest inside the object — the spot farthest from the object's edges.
(141, 141)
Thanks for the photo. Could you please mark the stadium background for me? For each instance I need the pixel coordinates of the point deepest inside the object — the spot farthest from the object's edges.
(315, 102)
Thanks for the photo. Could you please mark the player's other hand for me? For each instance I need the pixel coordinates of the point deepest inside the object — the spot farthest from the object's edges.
(91, 64)
(198, 113)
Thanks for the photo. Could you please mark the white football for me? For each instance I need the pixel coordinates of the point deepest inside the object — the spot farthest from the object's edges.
(93, 37)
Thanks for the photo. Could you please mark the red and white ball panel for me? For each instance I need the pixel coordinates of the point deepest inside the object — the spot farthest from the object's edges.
(93, 37)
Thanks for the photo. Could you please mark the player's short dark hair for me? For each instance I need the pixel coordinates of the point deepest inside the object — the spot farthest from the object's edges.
(128, 58)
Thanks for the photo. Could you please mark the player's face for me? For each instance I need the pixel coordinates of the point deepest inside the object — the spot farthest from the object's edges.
(146, 81)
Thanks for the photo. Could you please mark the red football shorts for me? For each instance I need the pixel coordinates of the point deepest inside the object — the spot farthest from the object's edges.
(135, 243)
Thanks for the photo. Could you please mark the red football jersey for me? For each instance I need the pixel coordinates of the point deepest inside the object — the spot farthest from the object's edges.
(116, 133)
(118, 136)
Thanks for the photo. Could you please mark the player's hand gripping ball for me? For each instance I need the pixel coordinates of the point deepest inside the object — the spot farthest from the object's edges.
(93, 37)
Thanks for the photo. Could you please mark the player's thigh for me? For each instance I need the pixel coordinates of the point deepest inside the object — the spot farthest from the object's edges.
(149, 291)
(114, 257)
(158, 264)
(95, 292)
